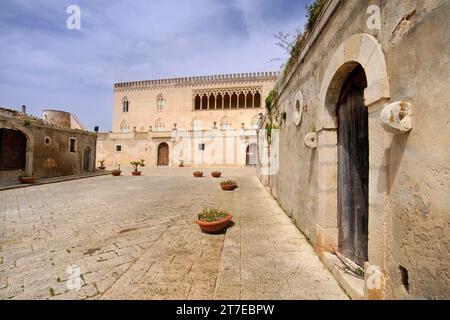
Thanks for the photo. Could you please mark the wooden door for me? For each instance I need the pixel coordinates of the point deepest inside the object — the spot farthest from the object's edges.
(163, 154)
(353, 168)
(86, 159)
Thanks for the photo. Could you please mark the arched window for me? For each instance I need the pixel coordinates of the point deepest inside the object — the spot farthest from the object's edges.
(124, 126)
(212, 102)
(226, 101)
(225, 123)
(159, 125)
(219, 102)
(255, 122)
(241, 100)
(125, 104)
(160, 103)
(197, 102)
(234, 101)
(257, 101)
(204, 102)
(249, 100)
(196, 124)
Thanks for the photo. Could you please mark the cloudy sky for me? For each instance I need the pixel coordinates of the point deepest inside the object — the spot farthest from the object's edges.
(45, 65)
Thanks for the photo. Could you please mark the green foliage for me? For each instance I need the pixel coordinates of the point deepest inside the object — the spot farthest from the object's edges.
(229, 182)
(314, 10)
(136, 164)
(27, 123)
(24, 175)
(102, 162)
(211, 215)
(271, 98)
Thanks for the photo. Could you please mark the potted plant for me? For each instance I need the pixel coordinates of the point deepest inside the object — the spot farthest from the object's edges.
(228, 185)
(213, 220)
(102, 165)
(216, 174)
(181, 165)
(116, 172)
(26, 178)
(198, 174)
(136, 164)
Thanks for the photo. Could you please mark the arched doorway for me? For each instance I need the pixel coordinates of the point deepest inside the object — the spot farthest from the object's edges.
(353, 168)
(163, 154)
(13, 150)
(251, 154)
(87, 159)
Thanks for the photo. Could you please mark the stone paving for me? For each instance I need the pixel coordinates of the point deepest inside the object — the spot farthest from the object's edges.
(135, 238)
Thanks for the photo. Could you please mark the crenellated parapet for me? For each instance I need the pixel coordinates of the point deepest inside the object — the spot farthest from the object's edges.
(199, 80)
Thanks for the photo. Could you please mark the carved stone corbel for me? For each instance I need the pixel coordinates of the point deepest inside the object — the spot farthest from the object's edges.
(396, 117)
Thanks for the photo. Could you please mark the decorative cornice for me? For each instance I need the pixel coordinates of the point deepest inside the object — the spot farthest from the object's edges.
(201, 80)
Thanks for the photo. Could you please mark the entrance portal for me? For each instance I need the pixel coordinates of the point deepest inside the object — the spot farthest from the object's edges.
(250, 159)
(87, 159)
(163, 154)
(13, 148)
(353, 168)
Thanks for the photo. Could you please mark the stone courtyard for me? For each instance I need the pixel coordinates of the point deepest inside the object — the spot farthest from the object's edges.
(135, 238)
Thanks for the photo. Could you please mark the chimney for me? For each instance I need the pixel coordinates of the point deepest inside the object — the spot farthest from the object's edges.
(24, 109)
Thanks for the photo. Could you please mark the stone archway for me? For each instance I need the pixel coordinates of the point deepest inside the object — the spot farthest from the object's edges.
(365, 51)
(251, 155)
(24, 132)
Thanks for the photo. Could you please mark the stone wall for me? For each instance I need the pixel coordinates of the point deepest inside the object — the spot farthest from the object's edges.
(406, 60)
(48, 151)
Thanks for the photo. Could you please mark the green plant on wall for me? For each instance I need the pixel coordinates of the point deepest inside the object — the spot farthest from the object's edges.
(313, 12)
(270, 100)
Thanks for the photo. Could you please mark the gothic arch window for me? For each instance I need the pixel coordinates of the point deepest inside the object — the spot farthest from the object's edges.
(234, 101)
(204, 102)
(125, 105)
(197, 103)
(225, 123)
(160, 103)
(241, 100)
(257, 100)
(196, 124)
(255, 122)
(226, 101)
(212, 102)
(249, 100)
(219, 101)
(159, 125)
(124, 127)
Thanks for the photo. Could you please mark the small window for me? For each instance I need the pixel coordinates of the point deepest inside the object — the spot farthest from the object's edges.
(119, 148)
(73, 145)
(125, 105)
(47, 141)
(201, 147)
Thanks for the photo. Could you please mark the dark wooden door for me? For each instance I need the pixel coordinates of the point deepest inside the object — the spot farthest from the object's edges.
(353, 168)
(86, 159)
(163, 154)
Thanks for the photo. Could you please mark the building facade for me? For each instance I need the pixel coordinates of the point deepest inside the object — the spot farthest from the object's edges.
(207, 120)
(361, 151)
(57, 145)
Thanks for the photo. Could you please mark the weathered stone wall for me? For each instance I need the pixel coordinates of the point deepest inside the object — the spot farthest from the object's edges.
(48, 146)
(409, 173)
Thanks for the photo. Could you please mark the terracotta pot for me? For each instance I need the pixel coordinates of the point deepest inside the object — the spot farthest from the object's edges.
(136, 173)
(216, 226)
(198, 174)
(116, 173)
(228, 187)
(216, 174)
(27, 180)
(102, 168)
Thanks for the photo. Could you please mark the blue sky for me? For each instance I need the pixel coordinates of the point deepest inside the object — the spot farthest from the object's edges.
(45, 65)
